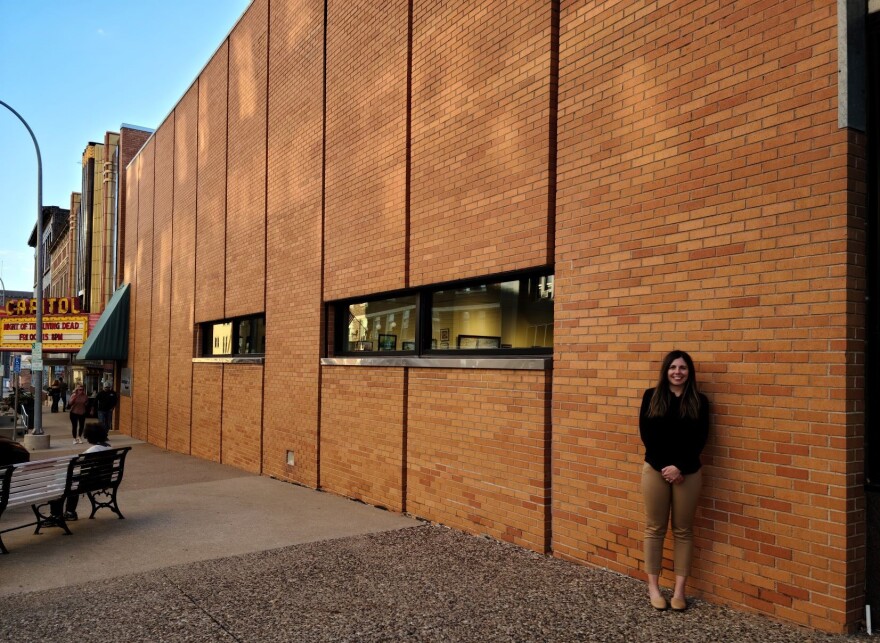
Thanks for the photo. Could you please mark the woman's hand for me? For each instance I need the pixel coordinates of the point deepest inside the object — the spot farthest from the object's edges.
(672, 474)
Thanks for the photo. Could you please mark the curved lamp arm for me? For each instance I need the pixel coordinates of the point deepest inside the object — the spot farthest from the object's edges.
(38, 374)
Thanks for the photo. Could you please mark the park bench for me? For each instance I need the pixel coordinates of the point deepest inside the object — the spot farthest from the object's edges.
(39, 483)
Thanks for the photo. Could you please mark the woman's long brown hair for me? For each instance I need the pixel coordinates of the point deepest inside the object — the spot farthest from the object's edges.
(690, 398)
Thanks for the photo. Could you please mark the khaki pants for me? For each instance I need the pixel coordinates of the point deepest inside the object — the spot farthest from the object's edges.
(661, 499)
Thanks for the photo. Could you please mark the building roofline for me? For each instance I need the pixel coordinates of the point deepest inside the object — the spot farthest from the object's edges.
(140, 128)
(188, 87)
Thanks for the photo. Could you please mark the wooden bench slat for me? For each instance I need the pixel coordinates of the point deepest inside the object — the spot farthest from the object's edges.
(38, 481)
(25, 480)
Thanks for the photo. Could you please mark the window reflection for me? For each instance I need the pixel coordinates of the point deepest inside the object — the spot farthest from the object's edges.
(382, 325)
(512, 316)
(242, 336)
(221, 339)
(502, 315)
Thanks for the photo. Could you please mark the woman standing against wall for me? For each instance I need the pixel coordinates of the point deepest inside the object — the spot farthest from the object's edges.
(674, 426)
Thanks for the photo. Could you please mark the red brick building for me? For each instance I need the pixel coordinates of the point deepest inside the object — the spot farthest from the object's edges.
(429, 255)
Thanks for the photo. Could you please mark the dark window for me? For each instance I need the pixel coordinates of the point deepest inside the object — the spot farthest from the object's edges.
(240, 336)
(509, 315)
(252, 336)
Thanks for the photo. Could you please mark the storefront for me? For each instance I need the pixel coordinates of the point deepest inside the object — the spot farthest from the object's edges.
(95, 362)
(65, 328)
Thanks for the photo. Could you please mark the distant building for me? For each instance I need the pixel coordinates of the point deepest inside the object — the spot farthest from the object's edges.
(94, 245)
(70, 242)
(81, 254)
(55, 223)
(96, 238)
(58, 255)
(96, 227)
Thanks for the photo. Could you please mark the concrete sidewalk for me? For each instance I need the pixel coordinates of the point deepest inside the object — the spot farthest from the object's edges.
(178, 509)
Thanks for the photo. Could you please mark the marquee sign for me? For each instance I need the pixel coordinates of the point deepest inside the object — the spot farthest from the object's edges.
(51, 306)
(59, 333)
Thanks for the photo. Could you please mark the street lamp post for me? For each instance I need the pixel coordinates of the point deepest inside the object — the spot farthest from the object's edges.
(38, 373)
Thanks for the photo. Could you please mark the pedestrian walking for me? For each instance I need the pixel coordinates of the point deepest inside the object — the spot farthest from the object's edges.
(106, 401)
(78, 408)
(55, 394)
(62, 390)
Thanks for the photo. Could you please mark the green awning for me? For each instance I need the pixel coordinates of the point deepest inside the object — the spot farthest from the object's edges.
(109, 339)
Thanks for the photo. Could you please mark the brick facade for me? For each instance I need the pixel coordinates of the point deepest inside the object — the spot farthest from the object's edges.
(183, 243)
(246, 165)
(143, 289)
(362, 454)
(59, 260)
(212, 183)
(131, 140)
(476, 447)
(291, 395)
(481, 81)
(366, 209)
(680, 168)
(161, 301)
(702, 203)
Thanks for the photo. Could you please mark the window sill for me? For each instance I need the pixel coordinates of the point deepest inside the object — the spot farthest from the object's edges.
(231, 359)
(493, 363)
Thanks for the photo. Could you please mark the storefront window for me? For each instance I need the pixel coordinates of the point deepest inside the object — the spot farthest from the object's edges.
(515, 314)
(382, 325)
(241, 336)
(510, 316)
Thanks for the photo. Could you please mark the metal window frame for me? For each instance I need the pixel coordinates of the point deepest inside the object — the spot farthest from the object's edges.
(337, 353)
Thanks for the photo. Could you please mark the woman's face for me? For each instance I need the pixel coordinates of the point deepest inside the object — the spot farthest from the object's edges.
(678, 373)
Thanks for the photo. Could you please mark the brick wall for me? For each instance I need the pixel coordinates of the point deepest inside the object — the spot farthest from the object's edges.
(362, 451)
(293, 247)
(702, 205)
(207, 408)
(211, 196)
(60, 266)
(241, 444)
(130, 143)
(161, 303)
(365, 219)
(480, 138)
(183, 243)
(246, 172)
(142, 295)
(476, 446)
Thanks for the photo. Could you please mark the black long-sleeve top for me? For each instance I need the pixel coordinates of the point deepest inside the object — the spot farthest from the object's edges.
(672, 439)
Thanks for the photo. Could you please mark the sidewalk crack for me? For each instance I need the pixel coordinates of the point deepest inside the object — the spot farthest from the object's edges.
(196, 604)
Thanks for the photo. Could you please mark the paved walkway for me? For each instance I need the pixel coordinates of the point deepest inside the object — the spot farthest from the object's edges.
(209, 553)
(178, 509)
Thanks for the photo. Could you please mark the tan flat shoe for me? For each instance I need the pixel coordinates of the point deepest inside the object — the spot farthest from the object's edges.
(659, 603)
(679, 604)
